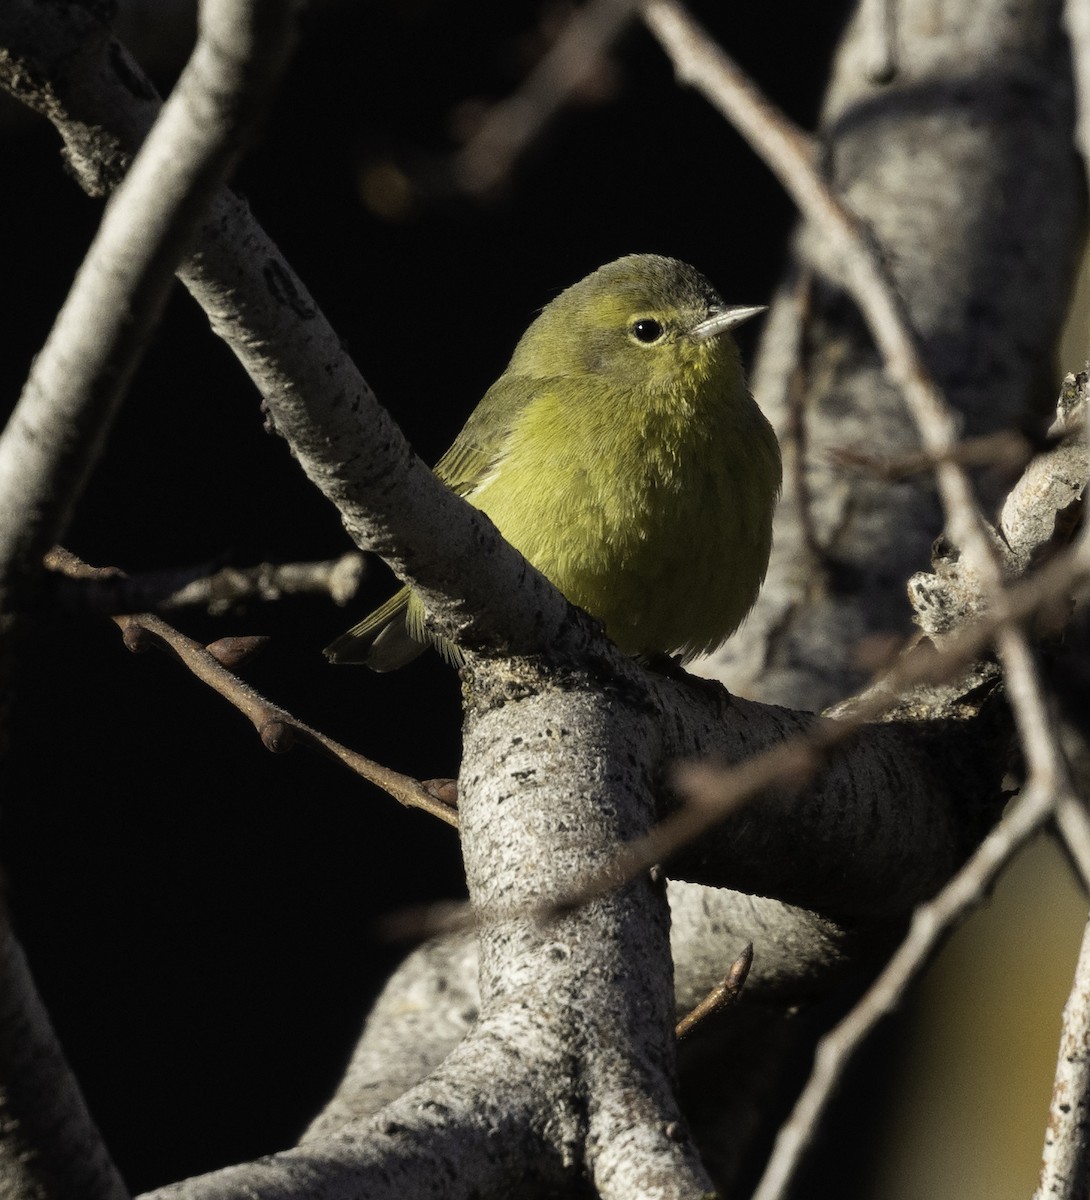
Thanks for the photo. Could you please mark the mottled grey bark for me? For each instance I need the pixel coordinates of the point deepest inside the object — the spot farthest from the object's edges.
(432, 1001)
(51, 1148)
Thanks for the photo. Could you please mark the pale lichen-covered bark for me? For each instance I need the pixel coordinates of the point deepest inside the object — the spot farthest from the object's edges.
(51, 1147)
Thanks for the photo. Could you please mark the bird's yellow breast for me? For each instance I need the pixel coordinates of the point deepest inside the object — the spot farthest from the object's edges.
(650, 509)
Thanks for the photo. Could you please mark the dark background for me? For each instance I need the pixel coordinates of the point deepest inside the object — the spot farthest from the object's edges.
(199, 914)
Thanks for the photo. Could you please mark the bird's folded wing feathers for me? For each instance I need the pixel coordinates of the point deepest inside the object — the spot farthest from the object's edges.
(479, 447)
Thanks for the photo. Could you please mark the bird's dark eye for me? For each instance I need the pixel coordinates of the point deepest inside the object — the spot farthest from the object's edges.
(646, 330)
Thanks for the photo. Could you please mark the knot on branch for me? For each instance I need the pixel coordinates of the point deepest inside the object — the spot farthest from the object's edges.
(491, 684)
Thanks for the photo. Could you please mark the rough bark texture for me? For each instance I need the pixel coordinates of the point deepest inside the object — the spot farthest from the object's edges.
(51, 1147)
(1065, 1161)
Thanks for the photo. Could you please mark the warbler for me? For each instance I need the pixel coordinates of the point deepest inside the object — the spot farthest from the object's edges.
(622, 454)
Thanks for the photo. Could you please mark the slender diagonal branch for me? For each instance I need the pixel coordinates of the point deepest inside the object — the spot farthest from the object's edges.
(278, 729)
(59, 426)
(1065, 1160)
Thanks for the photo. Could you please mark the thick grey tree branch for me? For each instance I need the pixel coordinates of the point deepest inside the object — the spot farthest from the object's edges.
(48, 1145)
(432, 1001)
(576, 1014)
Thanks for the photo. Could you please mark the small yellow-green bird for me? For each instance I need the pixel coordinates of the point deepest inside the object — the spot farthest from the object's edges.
(622, 454)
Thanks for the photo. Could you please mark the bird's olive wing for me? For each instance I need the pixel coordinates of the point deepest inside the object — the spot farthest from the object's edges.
(479, 446)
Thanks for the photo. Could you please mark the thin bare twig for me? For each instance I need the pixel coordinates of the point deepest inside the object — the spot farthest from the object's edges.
(724, 994)
(278, 729)
(929, 923)
(1065, 1160)
(513, 124)
(337, 578)
(1006, 448)
(791, 156)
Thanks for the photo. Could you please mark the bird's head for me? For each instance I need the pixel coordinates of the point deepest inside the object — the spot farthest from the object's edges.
(641, 322)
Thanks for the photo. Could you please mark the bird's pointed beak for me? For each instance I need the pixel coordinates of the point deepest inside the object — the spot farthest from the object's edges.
(723, 319)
